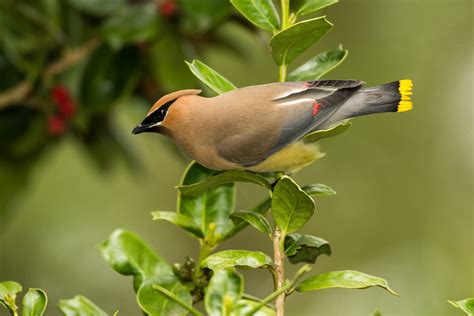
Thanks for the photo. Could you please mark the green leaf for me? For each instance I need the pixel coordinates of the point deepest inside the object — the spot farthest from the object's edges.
(127, 254)
(291, 206)
(302, 7)
(244, 306)
(8, 292)
(223, 292)
(377, 313)
(262, 13)
(317, 189)
(10, 288)
(209, 210)
(326, 133)
(319, 65)
(108, 77)
(244, 259)
(291, 42)
(199, 17)
(180, 220)
(255, 219)
(467, 305)
(223, 178)
(342, 279)
(99, 7)
(261, 208)
(154, 302)
(80, 306)
(34, 303)
(305, 248)
(210, 77)
(134, 24)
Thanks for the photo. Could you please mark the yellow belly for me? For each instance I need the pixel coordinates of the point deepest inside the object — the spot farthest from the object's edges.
(290, 159)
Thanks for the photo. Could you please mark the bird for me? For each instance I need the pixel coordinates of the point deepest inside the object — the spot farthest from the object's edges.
(261, 128)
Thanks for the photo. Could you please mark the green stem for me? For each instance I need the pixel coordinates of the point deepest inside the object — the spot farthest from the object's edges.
(285, 23)
(203, 254)
(176, 299)
(285, 14)
(255, 299)
(282, 73)
(281, 290)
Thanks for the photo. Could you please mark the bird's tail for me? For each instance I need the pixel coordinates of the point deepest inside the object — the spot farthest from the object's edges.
(390, 97)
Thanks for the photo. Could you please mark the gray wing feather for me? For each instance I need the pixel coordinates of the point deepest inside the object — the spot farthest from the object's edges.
(295, 99)
(300, 119)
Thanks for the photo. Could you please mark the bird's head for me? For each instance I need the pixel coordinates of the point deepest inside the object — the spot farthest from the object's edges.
(156, 117)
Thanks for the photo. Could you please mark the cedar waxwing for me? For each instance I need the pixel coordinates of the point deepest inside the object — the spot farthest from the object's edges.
(260, 128)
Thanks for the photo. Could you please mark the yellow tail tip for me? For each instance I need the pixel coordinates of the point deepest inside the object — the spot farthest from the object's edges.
(405, 89)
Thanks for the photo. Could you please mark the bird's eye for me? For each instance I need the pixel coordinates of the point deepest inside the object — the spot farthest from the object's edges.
(158, 115)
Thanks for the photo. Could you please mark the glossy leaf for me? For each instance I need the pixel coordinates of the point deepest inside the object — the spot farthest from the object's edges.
(262, 13)
(108, 77)
(244, 306)
(326, 133)
(305, 248)
(291, 206)
(467, 305)
(210, 77)
(302, 7)
(239, 224)
(342, 279)
(134, 24)
(237, 258)
(153, 302)
(10, 288)
(180, 220)
(319, 65)
(209, 210)
(224, 178)
(127, 254)
(34, 303)
(291, 42)
(80, 306)
(223, 292)
(255, 219)
(8, 292)
(318, 189)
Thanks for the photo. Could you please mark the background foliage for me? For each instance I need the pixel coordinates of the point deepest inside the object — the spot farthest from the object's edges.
(408, 223)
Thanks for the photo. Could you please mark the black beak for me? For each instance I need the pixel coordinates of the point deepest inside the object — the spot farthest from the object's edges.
(140, 128)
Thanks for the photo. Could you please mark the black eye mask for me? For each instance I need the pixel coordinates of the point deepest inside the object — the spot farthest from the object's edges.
(158, 115)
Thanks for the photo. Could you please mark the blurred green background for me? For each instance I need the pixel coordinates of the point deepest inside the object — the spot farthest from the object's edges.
(404, 182)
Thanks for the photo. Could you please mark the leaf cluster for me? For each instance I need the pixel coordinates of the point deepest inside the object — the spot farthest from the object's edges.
(99, 53)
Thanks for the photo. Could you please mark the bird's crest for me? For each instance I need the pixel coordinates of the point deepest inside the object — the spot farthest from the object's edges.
(171, 97)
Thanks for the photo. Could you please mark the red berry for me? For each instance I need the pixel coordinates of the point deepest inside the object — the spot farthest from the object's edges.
(168, 8)
(56, 125)
(67, 109)
(60, 94)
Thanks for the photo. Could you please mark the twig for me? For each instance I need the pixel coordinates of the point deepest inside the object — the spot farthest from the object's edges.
(15, 94)
(278, 259)
(173, 297)
(22, 90)
(281, 290)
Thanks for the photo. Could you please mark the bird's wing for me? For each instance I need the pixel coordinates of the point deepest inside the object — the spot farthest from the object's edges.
(302, 107)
